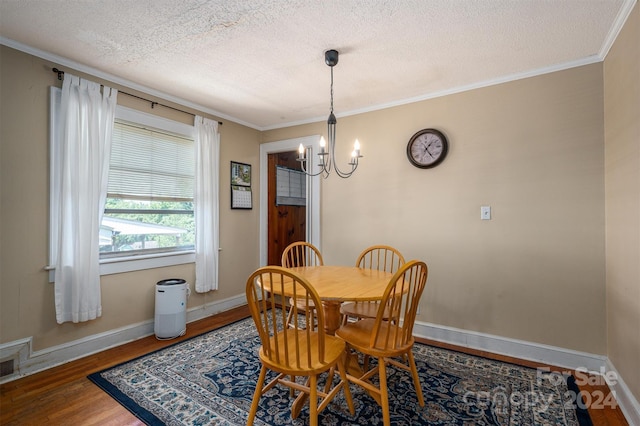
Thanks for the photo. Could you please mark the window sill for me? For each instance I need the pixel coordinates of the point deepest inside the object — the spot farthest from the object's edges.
(149, 261)
(119, 265)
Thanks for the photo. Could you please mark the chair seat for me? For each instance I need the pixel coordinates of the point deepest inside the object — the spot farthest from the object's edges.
(310, 363)
(361, 309)
(358, 336)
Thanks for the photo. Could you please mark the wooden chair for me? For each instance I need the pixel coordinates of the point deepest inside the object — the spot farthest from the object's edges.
(381, 258)
(389, 336)
(301, 253)
(291, 350)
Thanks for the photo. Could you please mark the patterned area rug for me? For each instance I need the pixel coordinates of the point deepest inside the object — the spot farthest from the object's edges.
(210, 379)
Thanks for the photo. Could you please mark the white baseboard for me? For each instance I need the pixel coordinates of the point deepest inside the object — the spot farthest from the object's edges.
(627, 402)
(545, 354)
(216, 307)
(28, 362)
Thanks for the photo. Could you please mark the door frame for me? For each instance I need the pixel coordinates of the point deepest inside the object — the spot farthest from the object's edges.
(312, 145)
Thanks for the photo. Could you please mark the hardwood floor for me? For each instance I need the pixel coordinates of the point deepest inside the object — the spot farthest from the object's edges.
(64, 396)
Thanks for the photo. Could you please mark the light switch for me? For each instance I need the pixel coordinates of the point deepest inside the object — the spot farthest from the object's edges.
(485, 212)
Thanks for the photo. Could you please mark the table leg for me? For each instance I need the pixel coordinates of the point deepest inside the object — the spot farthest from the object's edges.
(331, 316)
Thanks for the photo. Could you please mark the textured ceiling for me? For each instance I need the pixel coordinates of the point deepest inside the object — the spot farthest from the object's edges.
(261, 62)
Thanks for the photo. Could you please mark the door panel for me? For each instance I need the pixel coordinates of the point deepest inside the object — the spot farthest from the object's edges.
(286, 224)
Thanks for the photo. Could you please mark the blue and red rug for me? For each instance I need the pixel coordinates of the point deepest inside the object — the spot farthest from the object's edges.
(210, 379)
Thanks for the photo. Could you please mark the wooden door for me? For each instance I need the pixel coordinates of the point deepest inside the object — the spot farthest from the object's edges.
(286, 224)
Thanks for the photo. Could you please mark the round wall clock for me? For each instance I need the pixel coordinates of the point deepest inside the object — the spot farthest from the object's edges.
(427, 148)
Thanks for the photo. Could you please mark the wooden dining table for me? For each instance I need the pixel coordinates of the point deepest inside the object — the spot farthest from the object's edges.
(337, 284)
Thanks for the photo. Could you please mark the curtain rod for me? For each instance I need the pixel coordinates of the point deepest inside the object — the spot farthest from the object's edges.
(153, 103)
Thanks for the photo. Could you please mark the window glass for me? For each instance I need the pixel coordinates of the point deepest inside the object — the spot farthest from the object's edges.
(149, 205)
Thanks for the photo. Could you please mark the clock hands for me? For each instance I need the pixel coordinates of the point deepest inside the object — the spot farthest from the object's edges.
(429, 145)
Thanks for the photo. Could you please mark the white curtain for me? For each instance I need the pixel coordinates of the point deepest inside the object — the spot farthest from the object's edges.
(206, 203)
(86, 125)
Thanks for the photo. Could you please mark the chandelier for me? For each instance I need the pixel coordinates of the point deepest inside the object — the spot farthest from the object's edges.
(327, 154)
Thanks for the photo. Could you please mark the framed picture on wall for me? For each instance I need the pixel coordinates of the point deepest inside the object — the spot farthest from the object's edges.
(240, 174)
(240, 186)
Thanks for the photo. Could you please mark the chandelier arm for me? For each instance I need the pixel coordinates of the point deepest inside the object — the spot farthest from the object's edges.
(331, 133)
(345, 175)
(323, 168)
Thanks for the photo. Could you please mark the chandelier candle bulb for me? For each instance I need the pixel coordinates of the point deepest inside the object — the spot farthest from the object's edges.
(356, 148)
(301, 152)
(323, 143)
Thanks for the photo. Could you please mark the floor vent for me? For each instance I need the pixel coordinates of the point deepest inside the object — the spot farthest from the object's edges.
(6, 368)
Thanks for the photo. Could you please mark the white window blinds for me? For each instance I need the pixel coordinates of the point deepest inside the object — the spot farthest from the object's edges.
(151, 165)
(291, 187)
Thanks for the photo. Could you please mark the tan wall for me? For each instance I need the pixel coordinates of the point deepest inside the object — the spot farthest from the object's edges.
(26, 296)
(532, 150)
(622, 177)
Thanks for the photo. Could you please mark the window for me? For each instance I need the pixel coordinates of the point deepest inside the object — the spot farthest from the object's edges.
(149, 206)
(149, 219)
(291, 187)
(174, 199)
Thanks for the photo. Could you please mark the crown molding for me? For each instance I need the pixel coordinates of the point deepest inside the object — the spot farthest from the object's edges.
(65, 62)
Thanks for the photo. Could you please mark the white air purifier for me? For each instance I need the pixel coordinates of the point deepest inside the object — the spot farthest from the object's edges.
(171, 308)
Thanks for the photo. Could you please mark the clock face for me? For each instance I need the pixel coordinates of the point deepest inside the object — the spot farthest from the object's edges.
(427, 148)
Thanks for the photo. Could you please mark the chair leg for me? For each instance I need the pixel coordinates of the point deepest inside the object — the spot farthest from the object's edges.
(384, 394)
(345, 319)
(301, 399)
(329, 382)
(257, 394)
(312, 315)
(289, 316)
(292, 390)
(365, 362)
(416, 378)
(313, 401)
(345, 385)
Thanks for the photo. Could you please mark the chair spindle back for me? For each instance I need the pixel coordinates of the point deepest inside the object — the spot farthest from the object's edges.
(401, 299)
(301, 253)
(380, 257)
(282, 344)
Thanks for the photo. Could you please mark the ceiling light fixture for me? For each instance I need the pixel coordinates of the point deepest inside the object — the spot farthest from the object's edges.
(327, 154)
